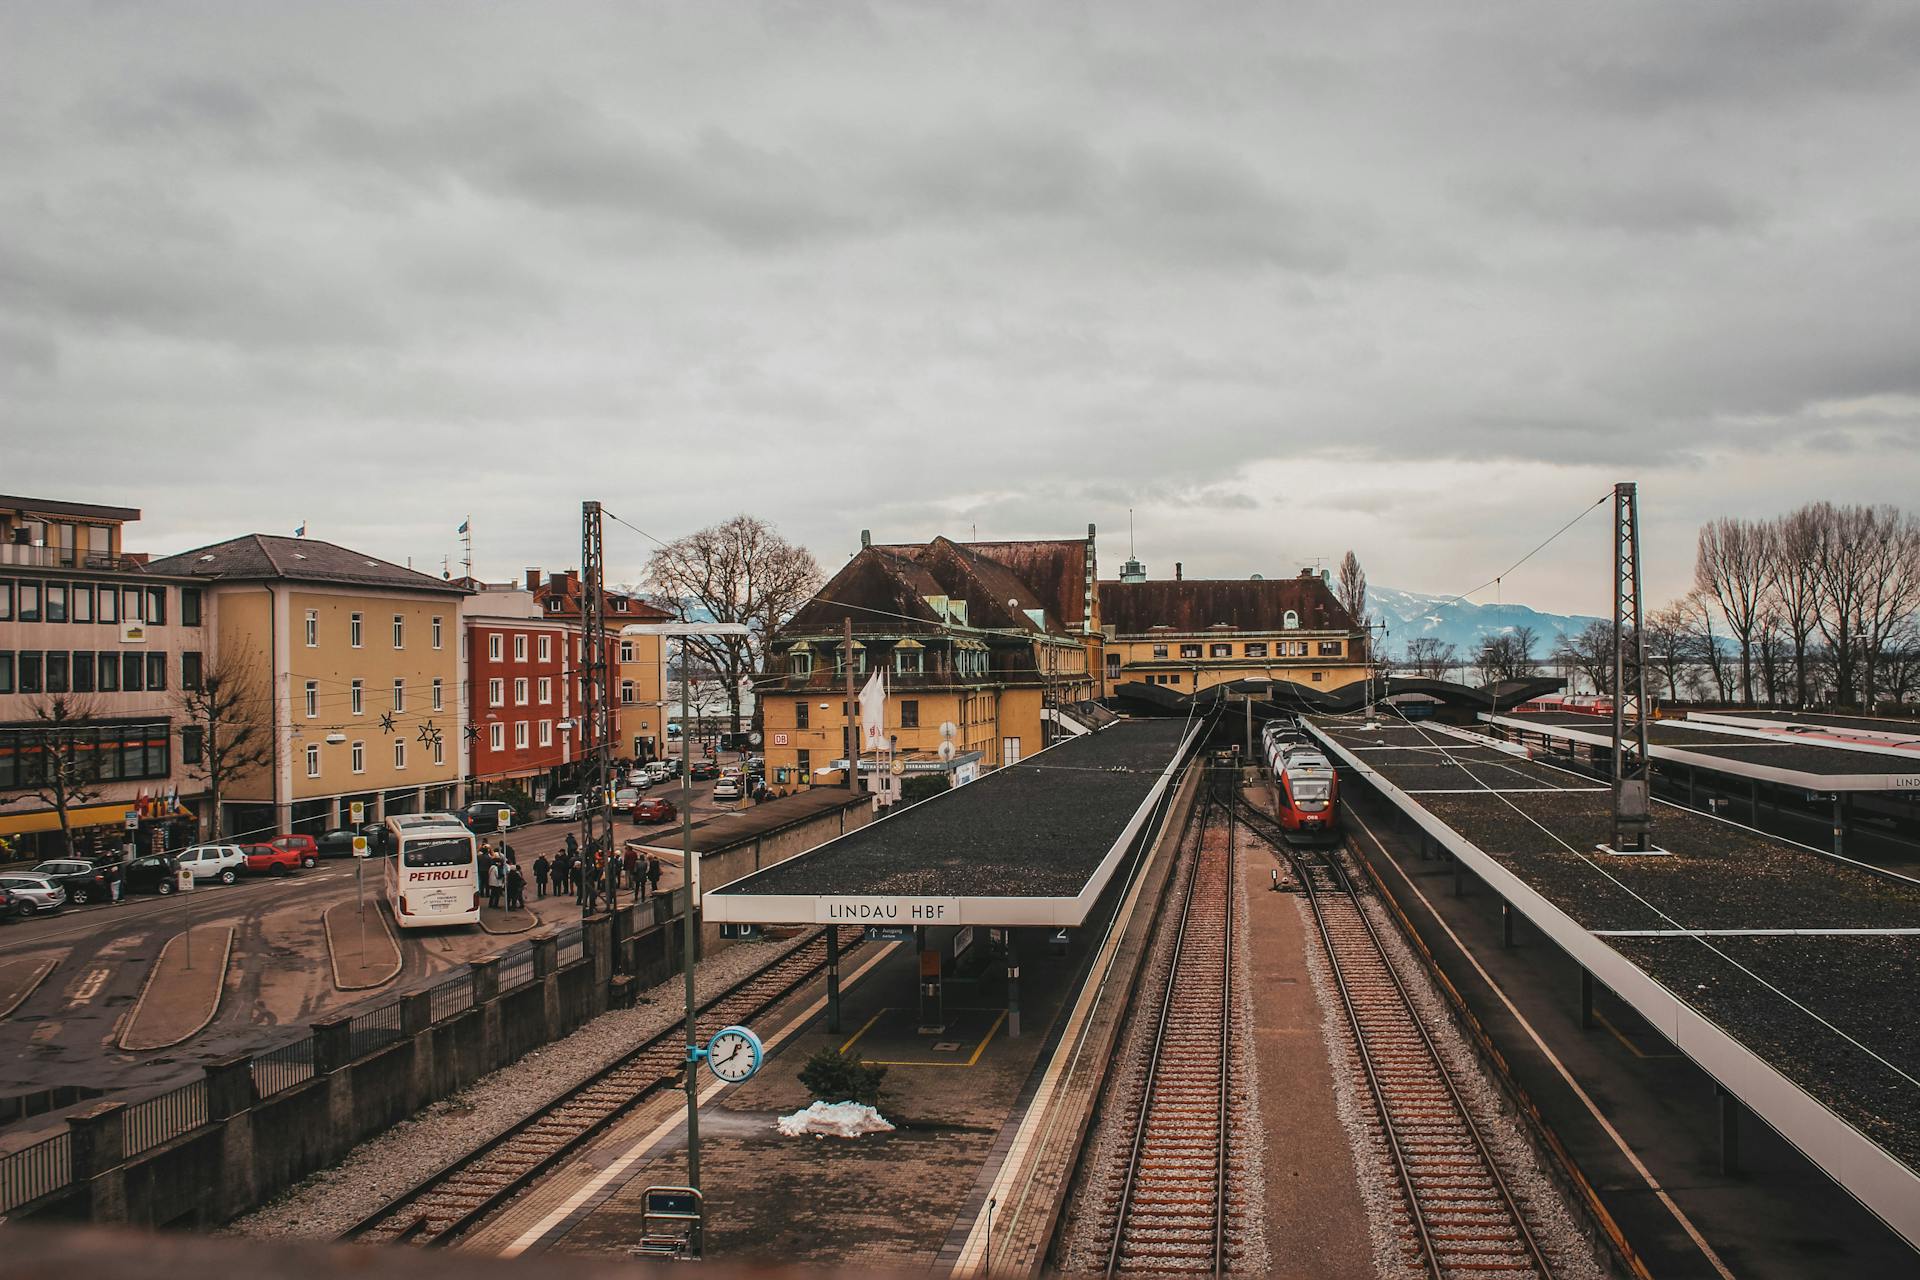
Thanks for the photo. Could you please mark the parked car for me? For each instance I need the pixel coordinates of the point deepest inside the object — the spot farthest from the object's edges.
(483, 816)
(30, 895)
(664, 769)
(9, 908)
(626, 797)
(268, 859)
(655, 809)
(705, 770)
(306, 847)
(568, 808)
(222, 862)
(337, 843)
(728, 789)
(157, 873)
(84, 881)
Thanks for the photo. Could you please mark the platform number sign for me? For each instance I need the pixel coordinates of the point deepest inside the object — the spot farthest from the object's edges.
(734, 1054)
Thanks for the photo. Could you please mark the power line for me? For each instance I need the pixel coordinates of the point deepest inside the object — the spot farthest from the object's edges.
(1498, 577)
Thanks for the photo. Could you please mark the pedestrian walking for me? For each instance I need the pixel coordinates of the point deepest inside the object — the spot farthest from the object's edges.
(516, 888)
(630, 864)
(540, 869)
(653, 874)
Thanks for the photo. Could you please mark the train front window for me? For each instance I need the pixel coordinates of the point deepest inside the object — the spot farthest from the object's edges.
(451, 852)
(1306, 792)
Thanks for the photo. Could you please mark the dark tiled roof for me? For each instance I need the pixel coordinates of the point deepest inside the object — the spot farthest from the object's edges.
(885, 587)
(1247, 604)
(259, 556)
(1054, 569)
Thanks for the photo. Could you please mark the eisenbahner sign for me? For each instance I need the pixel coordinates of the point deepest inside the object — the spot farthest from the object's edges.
(861, 909)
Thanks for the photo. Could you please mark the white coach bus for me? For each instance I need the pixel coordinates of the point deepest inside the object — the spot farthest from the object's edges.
(433, 873)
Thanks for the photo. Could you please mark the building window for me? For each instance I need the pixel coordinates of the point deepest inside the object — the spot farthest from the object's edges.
(1318, 676)
(6, 602)
(1329, 648)
(109, 672)
(313, 759)
(1292, 620)
(520, 648)
(313, 699)
(6, 673)
(626, 693)
(191, 738)
(800, 710)
(1220, 651)
(1257, 649)
(546, 733)
(359, 757)
(439, 750)
(520, 691)
(546, 690)
(399, 753)
(800, 664)
(553, 605)
(133, 673)
(803, 765)
(399, 631)
(156, 671)
(131, 607)
(626, 651)
(495, 646)
(189, 670)
(357, 699)
(56, 608)
(399, 695)
(189, 606)
(30, 672)
(497, 736)
(313, 628)
(82, 606)
(1173, 679)
(438, 695)
(496, 692)
(909, 713)
(545, 649)
(520, 735)
(83, 672)
(58, 672)
(438, 632)
(29, 602)
(109, 605)
(1189, 650)
(156, 606)
(353, 631)
(1160, 651)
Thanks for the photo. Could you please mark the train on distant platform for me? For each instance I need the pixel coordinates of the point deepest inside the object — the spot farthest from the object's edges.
(1306, 789)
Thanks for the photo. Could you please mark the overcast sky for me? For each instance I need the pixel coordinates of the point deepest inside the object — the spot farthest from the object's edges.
(1284, 278)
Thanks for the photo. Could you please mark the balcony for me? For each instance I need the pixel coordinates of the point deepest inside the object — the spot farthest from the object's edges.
(14, 553)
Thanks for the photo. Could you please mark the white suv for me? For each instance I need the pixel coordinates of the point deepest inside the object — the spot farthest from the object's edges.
(222, 862)
(564, 808)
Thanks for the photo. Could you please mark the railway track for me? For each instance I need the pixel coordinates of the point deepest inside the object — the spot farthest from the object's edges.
(1174, 1205)
(1463, 1217)
(457, 1197)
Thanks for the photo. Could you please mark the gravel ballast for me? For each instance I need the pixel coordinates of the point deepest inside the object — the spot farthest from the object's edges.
(328, 1202)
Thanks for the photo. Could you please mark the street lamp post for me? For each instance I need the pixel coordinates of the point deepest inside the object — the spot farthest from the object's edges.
(689, 866)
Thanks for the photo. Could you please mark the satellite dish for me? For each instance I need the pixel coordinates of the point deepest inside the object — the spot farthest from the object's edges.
(948, 728)
(947, 752)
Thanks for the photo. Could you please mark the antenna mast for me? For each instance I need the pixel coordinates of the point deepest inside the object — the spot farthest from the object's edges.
(1632, 811)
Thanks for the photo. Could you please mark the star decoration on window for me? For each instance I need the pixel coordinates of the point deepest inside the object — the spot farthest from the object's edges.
(386, 723)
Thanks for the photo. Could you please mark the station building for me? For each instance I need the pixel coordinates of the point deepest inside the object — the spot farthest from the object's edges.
(361, 663)
(1187, 635)
(96, 648)
(998, 640)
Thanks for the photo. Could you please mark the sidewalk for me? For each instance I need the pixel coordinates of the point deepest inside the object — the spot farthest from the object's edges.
(183, 990)
(363, 950)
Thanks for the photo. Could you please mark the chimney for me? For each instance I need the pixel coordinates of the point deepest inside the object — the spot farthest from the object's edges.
(866, 539)
(533, 577)
(1176, 570)
(557, 582)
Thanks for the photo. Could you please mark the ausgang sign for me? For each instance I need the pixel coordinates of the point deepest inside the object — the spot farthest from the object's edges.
(861, 909)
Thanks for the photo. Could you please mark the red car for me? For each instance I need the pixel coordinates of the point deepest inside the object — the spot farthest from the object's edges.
(306, 846)
(655, 809)
(263, 858)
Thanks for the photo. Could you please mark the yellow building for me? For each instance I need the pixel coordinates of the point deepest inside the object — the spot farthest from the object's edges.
(986, 647)
(362, 660)
(1187, 635)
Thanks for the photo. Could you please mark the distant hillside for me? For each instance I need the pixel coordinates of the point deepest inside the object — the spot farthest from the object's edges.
(1410, 615)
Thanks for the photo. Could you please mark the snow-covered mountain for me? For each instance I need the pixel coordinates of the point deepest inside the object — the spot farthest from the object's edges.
(1410, 615)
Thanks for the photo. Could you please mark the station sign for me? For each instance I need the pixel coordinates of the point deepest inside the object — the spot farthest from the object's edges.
(962, 941)
(864, 909)
(889, 933)
(742, 932)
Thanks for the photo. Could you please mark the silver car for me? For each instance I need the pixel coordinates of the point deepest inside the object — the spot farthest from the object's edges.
(34, 895)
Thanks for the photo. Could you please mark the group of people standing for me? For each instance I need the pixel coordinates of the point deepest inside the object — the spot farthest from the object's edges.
(501, 877)
(588, 875)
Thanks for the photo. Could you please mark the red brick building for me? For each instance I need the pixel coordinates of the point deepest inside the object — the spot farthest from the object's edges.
(521, 690)
(636, 673)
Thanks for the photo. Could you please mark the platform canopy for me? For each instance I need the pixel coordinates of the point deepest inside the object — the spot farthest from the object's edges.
(1032, 844)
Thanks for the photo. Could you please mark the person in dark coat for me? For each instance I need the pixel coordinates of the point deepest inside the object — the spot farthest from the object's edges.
(540, 869)
(653, 875)
(516, 888)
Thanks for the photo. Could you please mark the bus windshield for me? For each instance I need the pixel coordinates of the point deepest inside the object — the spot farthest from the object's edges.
(450, 851)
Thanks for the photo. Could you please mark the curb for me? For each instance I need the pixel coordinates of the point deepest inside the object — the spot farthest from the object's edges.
(133, 1015)
(508, 933)
(46, 967)
(333, 955)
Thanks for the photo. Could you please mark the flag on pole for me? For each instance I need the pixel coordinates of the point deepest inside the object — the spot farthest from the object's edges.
(464, 524)
(873, 713)
(301, 532)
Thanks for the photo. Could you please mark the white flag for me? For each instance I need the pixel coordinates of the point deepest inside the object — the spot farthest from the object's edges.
(873, 713)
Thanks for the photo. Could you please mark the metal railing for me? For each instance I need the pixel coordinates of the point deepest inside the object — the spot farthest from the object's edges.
(145, 1125)
(278, 1070)
(451, 997)
(58, 557)
(516, 967)
(374, 1029)
(572, 946)
(35, 1171)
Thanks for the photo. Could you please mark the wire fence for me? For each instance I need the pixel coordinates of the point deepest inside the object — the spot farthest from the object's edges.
(278, 1070)
(35, 1171)
(145, 1125)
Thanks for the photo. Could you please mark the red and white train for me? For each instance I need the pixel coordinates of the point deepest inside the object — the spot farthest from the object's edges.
(1306, 788)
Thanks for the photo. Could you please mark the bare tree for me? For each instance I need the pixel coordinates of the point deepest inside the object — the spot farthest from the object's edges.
(1432, 657)
(1795, 588)
(1589, 652)
(1855, 548)
(739, 571)
(1770, 652)
(1504, 656)
(226, 730)
(1734, 565)
(1892, 591)
(1353, 589)
(61, 767)
(1706, 642)
(1670, 647)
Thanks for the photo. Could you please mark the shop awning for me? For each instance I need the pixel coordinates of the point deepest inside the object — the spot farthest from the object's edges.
(93, 815)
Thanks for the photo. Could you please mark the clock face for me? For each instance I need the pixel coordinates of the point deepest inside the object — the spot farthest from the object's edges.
(734, 1054)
